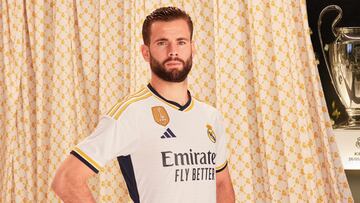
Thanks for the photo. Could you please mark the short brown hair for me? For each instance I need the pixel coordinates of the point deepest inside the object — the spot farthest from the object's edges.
(164, 14)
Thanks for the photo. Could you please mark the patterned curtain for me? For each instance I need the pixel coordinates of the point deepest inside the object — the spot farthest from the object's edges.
(64, 63)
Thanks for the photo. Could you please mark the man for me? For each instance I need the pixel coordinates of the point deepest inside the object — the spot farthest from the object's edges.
(170, 147)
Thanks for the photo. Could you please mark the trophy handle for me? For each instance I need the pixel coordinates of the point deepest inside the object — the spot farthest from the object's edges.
(337, 19)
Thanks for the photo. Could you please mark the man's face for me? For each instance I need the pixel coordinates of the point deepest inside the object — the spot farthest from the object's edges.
(170, 50)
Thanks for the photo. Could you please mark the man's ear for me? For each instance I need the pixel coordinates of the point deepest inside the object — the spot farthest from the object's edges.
(145, 51)
(193, 50)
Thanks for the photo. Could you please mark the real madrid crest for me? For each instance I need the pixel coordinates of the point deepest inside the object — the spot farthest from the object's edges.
(160, 115)
(211, 133)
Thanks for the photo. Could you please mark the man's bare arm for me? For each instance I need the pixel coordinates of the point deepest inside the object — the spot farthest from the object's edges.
(224, 189)
(70, 182)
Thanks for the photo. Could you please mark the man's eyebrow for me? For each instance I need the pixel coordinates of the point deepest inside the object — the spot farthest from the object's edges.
(161, 39)
(177, 39)
(182, 38)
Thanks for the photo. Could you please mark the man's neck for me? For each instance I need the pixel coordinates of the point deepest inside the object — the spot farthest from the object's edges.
(172, 91)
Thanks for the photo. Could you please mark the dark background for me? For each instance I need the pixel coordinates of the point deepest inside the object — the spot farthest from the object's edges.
(350, 18)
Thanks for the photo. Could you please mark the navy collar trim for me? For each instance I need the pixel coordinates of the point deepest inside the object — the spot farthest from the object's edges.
(181, 108)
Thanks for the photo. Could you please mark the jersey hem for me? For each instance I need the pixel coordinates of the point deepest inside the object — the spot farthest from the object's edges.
(86, 159)
(221, 167)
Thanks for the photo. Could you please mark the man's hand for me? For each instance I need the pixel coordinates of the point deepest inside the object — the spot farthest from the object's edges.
(224, 188)
(70, 182)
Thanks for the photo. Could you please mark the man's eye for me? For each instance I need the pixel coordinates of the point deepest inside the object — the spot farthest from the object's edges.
(182, 42)
(161, 43)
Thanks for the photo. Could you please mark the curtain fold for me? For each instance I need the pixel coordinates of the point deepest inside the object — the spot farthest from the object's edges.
(65, 63)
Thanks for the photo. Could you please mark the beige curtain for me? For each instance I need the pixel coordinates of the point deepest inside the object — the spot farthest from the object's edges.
(64, 63)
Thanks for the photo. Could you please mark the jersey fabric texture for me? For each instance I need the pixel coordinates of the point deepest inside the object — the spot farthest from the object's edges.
(166, 152)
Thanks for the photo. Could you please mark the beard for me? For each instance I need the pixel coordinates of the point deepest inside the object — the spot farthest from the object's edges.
(172, 75)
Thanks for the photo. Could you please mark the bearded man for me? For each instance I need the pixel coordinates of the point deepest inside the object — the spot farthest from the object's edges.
(170, 146)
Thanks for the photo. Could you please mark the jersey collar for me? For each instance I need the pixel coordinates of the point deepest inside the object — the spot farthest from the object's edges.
(189, 104)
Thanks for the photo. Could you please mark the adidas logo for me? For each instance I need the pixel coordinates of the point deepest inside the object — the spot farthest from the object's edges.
(168, 134)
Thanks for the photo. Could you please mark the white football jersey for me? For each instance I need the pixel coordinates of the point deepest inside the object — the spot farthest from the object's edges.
(166, 152)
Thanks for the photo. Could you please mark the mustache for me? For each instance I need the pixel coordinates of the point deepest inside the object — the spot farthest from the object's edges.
(174, 59)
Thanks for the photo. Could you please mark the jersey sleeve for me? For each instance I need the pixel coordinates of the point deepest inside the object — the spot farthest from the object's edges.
(221, 144)
(110, 139)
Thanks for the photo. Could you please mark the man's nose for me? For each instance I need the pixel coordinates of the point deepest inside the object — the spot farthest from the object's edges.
(172, 50)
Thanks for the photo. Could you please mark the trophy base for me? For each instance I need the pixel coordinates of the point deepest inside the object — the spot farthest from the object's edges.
(349, 125)
(353, 121)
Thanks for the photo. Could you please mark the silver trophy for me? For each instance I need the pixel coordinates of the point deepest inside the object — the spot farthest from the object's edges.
(342, 58)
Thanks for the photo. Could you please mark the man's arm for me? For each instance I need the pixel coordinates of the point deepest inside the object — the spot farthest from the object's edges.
(70, 182)
(224, 188)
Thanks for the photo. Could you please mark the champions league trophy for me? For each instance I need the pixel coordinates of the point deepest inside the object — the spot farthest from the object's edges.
(342, 58)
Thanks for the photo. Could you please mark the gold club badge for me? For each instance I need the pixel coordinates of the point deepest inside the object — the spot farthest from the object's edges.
(210, 133)
(160, 115)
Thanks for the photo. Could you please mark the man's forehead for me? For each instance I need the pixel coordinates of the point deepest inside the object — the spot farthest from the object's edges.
(175, 28)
